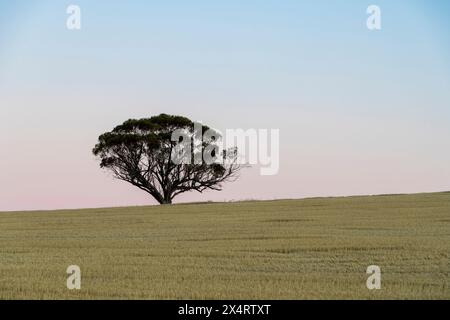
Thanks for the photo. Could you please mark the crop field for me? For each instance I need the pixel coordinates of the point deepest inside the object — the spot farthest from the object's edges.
(287, 249)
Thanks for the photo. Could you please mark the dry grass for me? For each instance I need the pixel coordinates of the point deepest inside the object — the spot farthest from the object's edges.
(292, 249)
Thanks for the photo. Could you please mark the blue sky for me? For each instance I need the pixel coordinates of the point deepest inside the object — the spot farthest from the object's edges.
(359, 111)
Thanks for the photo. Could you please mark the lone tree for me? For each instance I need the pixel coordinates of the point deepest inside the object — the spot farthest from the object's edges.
(161, 155)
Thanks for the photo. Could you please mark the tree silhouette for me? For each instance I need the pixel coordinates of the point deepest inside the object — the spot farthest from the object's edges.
(145, 153)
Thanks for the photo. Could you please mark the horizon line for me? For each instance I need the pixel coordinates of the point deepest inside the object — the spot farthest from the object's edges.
(229, 202)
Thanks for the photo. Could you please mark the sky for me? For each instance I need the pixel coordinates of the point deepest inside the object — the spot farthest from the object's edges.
(359, 111)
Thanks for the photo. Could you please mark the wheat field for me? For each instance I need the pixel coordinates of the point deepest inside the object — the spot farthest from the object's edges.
(287, 249)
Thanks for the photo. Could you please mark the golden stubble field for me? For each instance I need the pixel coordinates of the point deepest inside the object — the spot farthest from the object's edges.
(287, 249)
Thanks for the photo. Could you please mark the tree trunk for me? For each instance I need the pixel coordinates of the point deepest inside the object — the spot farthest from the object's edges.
(166, 196)
(166, 201)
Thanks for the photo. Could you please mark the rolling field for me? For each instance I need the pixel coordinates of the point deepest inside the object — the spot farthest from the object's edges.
(287, 249)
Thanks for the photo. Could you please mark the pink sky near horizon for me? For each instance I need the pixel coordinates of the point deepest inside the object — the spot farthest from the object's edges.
(63, 173)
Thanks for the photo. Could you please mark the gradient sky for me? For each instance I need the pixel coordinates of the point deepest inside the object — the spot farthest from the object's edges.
(359, 111)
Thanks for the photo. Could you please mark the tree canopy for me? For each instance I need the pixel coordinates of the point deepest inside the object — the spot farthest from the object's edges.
(163, 155)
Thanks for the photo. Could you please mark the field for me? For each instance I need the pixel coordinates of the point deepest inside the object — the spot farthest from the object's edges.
(288, 249)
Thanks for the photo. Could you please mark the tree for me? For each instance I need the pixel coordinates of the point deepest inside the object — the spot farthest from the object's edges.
(162, 156)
